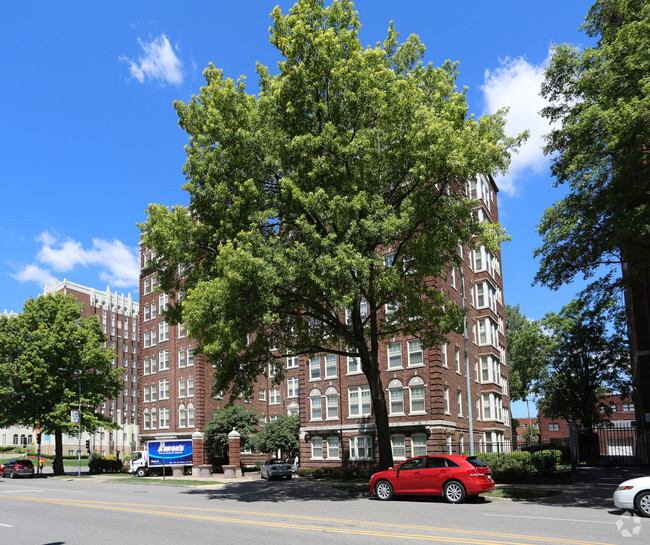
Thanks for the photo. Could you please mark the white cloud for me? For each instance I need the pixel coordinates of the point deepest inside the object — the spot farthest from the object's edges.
(159, 62)
(33, 273)
(516, 84)
(117, 264)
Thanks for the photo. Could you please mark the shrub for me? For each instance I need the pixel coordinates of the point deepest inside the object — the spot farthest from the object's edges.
(101, 464)
(521, 465)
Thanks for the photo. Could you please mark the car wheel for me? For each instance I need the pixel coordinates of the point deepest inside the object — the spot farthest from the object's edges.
(453, 492)
(383, 490)
(141, 472)
(642, 503)
(11, 474)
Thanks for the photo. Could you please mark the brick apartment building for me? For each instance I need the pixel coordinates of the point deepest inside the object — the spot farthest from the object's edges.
(119, 316)
(426, 389)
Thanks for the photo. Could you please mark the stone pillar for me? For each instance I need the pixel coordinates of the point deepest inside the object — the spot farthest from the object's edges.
(234, 454)
(198, 450)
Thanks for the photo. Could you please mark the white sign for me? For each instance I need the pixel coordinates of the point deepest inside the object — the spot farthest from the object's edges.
(74, 416)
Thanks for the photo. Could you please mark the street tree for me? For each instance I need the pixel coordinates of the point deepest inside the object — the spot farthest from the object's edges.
(321, 208)
(232, 417)
(528, 352)
(281, 435)
(48, 355)
(599, 104)
(589, 359)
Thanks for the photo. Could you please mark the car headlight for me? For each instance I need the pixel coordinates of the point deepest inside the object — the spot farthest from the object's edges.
(625, 487)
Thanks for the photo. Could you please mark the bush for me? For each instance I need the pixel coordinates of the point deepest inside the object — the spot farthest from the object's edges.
(101, 464)
(521, 466)
(337, 473)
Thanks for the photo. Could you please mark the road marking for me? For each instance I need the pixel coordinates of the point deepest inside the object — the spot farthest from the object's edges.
(550, 518)
(164, 510)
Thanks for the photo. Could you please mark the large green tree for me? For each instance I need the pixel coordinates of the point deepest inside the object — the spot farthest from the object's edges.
(589, 359)
(600, 107)
(281, 434)
(47, 354)
(528, 352)
(298, 193)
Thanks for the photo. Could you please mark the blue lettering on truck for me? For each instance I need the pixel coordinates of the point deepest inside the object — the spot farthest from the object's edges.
(176, 453)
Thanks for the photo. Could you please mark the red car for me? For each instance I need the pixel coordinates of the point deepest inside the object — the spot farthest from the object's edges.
(455, 478)
(18, 466)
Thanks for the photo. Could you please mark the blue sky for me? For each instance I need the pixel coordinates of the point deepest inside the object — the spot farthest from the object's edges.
(89, 137)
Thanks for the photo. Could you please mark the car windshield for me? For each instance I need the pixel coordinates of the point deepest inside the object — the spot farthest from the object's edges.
(274, 461)
(476, 462)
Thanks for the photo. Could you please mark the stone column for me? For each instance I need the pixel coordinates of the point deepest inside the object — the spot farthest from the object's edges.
(198, 452)
(234, 455)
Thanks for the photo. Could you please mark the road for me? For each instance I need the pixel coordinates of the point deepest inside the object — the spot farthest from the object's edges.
(70, 511)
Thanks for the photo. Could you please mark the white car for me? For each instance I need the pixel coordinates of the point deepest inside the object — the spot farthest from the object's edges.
(634, 495)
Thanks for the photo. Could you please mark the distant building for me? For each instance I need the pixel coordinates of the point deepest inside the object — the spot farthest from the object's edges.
(523, 430)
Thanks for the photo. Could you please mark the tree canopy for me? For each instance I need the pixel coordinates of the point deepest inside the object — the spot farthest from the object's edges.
(589, 359)
(528, 352)
(281, 434)
(600, 107)
(232, 417)
(46, 353)
(323, 203)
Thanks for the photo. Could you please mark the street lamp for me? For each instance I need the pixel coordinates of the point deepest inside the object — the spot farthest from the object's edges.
(77, 372)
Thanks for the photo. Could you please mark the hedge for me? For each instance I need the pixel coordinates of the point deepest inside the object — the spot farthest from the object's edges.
(101, 464)
(521, 465)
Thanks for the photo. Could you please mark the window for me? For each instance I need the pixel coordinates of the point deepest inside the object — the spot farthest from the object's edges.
(361, 447)
(146, 365)
(271, 370)
(416, 390)
(415, 353)
(359, 401)
(154, 419)
(153, 311)
(418, 444)
(331, 403)
(163, 418)
(163, 388)
(262, 394)
(274, 396)
(490, 372)
(182, 416)
(181, 388)
(446, 399)
(314, 368)
(145, 394)
(163, 331)
(182, 332)
(147, 339)
(315, 406)
(163, 301)
(292, 361)
(391, 309)
(457, 359)
(398, 445)
(553, 426)
(292, 387)
(153, 337)
(190, 387)
(330, 366)
(163, 356)
(395, 355)
(332, 448)
(459, 400)
(147, 286)
(181, 358)
(487, 332)
(452, 277)
(146, 419)
(396, 397)
(152, 390)
(354, 365)
(153, 365)
(628, 407)
(190, 416)
(444, 355)
(146, 313)
(190, 357)
(293, 409)
(612, 406)
(317, 448)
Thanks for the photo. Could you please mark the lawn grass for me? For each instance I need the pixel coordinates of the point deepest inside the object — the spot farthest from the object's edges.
(516, 493)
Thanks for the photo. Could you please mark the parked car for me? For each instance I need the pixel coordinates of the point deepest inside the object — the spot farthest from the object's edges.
(634, 495)
(18, 467)
(275, 467)
(455, 478)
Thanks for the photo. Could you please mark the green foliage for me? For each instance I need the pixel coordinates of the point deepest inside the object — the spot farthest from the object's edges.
(281, 434)
(528, 352)
(599, 103)
(102, 464)
(521, 465)
(590, 358)
(48, 336)
(337, 473)
(233, 417)
(297, 192)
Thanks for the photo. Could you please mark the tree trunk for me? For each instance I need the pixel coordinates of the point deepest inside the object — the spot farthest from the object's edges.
(380, 411)
(58, 453)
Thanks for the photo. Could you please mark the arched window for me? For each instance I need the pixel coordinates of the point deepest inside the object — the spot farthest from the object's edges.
(15, 438)
(331, 403)
(396, 397)
(190, 415)
(315, 405)
(154, 418)
(182, 416)
(293, 409)
(416, 395)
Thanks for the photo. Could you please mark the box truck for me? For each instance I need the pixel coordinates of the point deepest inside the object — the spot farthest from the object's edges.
(171, 453)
